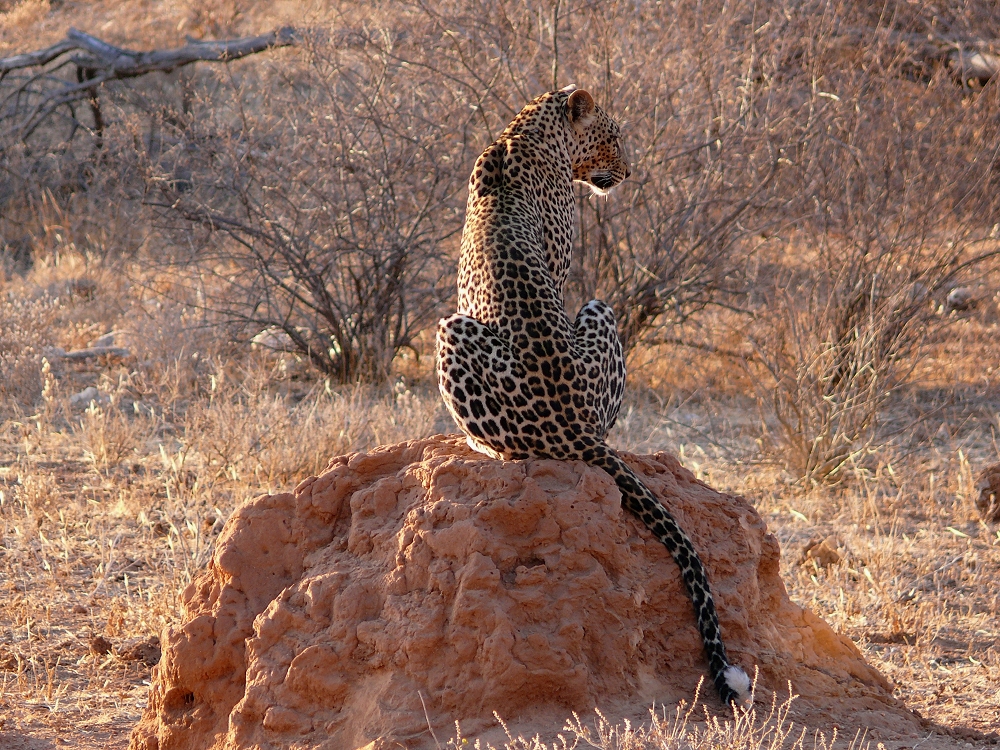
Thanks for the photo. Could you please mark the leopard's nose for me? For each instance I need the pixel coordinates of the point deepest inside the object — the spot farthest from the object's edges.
(628, 172)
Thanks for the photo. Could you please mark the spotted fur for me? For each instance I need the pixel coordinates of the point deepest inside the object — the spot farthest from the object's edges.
(520, 378)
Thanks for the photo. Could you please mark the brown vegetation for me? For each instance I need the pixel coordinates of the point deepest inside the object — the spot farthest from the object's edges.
(807, 189)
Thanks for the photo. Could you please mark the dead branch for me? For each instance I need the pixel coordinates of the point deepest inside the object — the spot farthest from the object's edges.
(36, 94)
(30, 59)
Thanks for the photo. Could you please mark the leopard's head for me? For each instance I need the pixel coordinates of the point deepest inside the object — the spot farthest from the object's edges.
(597, 152)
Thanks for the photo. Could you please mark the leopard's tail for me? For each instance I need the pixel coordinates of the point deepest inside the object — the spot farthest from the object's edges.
(732, 682)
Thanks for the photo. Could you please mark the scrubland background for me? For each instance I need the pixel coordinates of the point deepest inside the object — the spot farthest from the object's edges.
(273, 239)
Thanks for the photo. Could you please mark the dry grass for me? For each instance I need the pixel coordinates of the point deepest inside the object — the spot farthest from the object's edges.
(108, 511)
(681, 729)
(915, 583)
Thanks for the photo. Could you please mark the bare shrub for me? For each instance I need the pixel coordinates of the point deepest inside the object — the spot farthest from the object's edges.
(706, 145)
(831, 360)
(322, 197)
(328, 187)
(891, 212)
(672, 239)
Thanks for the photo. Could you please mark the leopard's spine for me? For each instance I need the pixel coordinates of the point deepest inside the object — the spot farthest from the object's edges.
(731, 682)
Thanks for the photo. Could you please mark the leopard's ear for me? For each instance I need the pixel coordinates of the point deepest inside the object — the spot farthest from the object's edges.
(580, 107)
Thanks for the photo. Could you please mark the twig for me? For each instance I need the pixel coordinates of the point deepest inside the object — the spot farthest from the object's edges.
(31, 59)
(428, 719)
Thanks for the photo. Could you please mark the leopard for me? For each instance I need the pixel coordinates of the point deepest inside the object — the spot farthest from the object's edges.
(521, 380)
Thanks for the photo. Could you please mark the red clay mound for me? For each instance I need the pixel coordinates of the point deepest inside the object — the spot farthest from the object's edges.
(425, 571)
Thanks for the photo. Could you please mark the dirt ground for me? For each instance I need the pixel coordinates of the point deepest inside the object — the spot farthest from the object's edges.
(108, 510)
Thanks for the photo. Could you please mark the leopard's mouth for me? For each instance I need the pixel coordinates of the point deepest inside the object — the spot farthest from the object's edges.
(603, 180)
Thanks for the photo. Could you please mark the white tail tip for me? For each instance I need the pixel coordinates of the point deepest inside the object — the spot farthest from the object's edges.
(739, 681)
